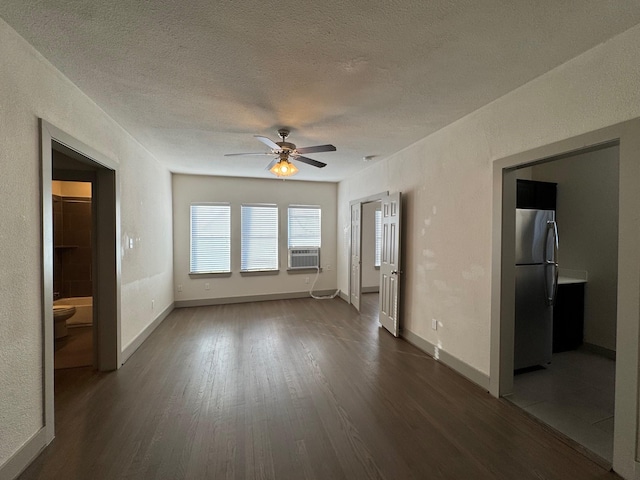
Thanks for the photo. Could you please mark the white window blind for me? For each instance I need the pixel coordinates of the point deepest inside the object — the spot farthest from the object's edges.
(259, 243)
(210, 238)
(378, 227)
(304, 226)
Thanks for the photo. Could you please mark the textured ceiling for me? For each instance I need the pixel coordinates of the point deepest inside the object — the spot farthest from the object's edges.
(195, 79)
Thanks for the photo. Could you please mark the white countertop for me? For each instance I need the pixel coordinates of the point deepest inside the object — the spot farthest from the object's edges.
(568, 280)
(567, 276)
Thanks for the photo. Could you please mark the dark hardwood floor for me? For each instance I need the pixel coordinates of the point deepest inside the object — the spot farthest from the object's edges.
(292, 389)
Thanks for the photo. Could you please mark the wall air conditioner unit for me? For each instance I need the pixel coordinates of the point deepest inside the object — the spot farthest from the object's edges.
(300, 258)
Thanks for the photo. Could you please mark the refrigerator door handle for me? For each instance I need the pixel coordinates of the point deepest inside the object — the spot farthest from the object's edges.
(553, 263)
(555, 242)
(551, 230)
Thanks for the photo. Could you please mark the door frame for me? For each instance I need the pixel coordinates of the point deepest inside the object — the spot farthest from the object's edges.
(371, 198)
(627, 135)
(108, 263)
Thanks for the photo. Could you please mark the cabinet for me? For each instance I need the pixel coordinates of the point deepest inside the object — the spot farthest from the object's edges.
(568, 317)
(536, 195)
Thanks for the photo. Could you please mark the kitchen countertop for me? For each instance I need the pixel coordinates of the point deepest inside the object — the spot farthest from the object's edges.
(567, 276)
(562, 280)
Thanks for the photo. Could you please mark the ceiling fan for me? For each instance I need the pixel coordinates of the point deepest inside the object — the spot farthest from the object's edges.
(284, 152)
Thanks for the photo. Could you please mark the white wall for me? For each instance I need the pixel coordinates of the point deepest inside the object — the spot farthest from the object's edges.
(587, 215)
(189, 189)
(30, 88)
(447, 182)
(370, 274)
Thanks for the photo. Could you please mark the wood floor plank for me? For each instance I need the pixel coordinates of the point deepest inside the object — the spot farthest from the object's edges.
(291, 389)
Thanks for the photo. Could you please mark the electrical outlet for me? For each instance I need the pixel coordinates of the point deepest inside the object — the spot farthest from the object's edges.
(179, 288)
(434, 324)
(207, 286)
(306, 280)
(328, 268)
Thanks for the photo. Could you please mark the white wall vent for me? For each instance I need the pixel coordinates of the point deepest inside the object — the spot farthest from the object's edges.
(304, 258)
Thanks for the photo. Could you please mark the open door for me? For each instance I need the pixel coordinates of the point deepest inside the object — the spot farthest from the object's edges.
(356, 245)
(390, 263)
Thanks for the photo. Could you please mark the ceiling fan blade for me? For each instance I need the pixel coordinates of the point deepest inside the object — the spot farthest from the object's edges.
(268, 142)
(309, 161)
(316, 149)
(272, 163)
(246, 154)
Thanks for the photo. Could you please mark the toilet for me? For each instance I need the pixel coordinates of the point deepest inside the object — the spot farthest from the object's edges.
(60, 315)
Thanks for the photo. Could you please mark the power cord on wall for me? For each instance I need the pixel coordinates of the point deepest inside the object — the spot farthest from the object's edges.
(327, 297)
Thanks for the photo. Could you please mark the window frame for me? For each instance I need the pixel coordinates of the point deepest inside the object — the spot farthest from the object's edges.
(276, 263)
(319, 227)
(229, 250)
(377, 229)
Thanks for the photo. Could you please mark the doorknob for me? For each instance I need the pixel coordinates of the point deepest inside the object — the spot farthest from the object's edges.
(396, 272)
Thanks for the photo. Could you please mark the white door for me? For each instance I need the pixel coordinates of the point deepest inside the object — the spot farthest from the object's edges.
(354, 284)
(390, 263)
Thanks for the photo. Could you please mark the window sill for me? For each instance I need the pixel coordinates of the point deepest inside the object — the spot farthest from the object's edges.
(293, 271)
(258, 273)
(209, 274)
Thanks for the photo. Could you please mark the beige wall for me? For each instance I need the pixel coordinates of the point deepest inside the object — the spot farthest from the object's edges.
(370, 274)
(189, 189)
(31, 88)
(446, 179)
(587, 215)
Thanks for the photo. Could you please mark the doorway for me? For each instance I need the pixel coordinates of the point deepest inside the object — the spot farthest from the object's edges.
(389, 255)
(505, 172)
(65, 158)
(73, 234)
(360, 211)
(575, 392)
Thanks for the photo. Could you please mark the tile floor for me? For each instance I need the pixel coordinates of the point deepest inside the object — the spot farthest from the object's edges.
(575, 395)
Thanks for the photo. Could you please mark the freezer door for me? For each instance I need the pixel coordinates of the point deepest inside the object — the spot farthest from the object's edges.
(533, 319)
(534, 238)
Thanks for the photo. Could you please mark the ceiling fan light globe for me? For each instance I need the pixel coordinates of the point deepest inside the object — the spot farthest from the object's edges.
(283, 169)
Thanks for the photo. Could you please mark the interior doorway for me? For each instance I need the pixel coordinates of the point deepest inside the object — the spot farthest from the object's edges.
(505, 172)
(67, 159)
(362, 236)
(574, 392)
(73, 296)
(383, 246)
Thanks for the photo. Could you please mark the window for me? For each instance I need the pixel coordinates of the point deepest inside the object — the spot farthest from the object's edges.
(259, 243)
(210, 238)
(378, 227)
(304, 226)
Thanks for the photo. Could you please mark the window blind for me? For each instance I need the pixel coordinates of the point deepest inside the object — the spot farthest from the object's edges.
(304, 226)
(210, 238)
(259, 239)
(378, 228)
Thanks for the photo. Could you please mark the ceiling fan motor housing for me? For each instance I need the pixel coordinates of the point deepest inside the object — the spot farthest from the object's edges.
(286, 145)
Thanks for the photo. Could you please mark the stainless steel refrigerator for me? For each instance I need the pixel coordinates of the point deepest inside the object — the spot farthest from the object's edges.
(536, 286)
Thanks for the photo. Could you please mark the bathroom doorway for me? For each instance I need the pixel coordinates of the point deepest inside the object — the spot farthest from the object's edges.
(66, 159)
(73, 234)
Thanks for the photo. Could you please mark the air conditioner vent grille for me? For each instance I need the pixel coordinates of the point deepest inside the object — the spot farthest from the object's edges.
(304, 258)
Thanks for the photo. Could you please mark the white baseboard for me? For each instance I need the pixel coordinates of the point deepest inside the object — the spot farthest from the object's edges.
(142, 336)
(203, 302)
(456, 364)
(26, 454)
